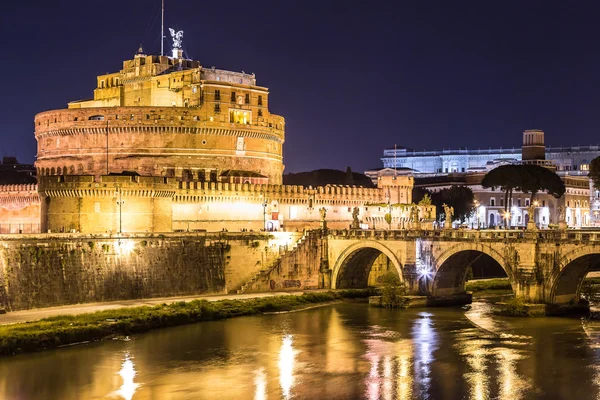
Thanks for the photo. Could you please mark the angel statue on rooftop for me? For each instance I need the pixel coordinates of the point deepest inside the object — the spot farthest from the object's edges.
(177, 38)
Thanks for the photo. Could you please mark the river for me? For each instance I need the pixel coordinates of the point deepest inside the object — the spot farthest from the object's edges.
(341, 351)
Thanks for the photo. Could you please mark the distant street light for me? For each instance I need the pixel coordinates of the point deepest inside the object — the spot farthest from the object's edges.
(507, 219)
(120, 204)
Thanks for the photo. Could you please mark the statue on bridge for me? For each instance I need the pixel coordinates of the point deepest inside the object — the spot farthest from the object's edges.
(449, 214)
(531, 214)
(323, 212)
(562, 217)
(355, 221)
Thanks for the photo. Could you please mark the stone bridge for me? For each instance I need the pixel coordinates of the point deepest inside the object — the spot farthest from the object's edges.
(542, 266)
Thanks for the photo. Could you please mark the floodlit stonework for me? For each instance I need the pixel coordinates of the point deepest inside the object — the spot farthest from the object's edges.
(168, 117)
(167, 145)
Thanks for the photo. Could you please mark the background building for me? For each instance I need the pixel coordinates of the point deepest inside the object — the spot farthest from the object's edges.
(436, 170)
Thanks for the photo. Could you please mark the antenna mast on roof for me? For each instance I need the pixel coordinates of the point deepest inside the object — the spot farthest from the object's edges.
(395, 172)
(162, 30)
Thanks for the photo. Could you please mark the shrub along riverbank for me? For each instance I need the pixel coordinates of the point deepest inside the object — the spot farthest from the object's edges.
(69, 329)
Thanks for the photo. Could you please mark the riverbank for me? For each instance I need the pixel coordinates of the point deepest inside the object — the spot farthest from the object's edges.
(65, 330)
(489, 288)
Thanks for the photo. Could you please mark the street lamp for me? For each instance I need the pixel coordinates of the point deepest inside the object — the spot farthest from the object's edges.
(120, 204)
(507, 218)
(476, 213)
(264, 205)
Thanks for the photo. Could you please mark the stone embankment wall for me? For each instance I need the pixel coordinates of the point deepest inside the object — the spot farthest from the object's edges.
(51, 270)
(298, 268)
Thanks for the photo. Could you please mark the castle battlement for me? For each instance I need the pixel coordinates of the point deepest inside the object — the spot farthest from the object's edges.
(130, 186)
(16, 189)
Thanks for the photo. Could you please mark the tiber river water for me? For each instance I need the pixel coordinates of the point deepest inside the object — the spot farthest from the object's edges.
(341, 351)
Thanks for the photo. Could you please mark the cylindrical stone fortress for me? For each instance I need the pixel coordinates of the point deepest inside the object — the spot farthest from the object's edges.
(155, 141)
(163, 116)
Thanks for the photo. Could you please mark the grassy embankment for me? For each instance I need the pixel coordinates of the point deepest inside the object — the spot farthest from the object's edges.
(489, 287)
(68, 329)
(501, 286)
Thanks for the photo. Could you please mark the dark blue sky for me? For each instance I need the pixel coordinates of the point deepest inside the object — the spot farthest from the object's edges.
(350, 77)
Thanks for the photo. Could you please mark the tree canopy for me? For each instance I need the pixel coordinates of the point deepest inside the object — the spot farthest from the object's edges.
(322, 177)
(506, 178)
(594, 173)
(461, 198)
(527, 178)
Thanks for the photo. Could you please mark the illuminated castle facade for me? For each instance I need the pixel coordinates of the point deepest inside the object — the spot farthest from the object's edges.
(169, 145)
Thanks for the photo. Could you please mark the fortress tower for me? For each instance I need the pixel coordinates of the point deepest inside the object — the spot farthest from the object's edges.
(165, 116)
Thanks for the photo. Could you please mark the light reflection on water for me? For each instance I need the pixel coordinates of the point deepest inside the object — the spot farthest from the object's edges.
(286, 366)
(127, 373)
(345, 351)
(260, 382)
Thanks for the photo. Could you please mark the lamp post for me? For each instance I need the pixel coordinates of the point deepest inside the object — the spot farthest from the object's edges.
(507, 218)
(477, 213)
(264, 205)
(120, 204)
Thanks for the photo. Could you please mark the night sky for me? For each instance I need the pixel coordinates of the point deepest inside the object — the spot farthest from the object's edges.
(350, 77)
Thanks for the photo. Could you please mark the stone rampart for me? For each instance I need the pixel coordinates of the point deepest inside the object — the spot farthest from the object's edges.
(51, 270)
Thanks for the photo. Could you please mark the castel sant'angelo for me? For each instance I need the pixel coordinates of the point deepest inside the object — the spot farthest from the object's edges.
(166, 145)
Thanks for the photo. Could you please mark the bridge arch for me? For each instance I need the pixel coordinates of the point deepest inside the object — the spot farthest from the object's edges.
(450, 267)
(352, 267)
(574, 267)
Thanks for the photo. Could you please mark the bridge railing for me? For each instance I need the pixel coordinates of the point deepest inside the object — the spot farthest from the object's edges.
(546, 235)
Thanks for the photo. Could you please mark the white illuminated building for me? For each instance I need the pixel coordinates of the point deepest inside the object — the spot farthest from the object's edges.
(437, 170)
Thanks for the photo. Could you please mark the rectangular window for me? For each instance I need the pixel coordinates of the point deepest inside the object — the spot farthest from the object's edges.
(240, 116)
(233, 97)
(97, 206)
(259, 100)
(493, 202)
(260, 113)
(217, 95)
(519, 202)
(526, 202)
(217, 108)
(194, 89)
(247, 100)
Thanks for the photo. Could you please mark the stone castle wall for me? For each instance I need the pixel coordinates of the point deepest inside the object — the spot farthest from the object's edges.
(107, 204)
(19, 209)
(156, 141)
(52, 270)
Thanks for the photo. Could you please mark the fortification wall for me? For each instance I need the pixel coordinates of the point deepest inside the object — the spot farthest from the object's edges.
(151, 204)
(52, 270)
(19, 209)
(155, 141)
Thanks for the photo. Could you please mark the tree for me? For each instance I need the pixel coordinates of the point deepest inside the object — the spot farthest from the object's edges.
(535, 178)
(459, 197)
(388, 219)
(594, 173)
(505, 177)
